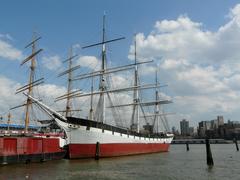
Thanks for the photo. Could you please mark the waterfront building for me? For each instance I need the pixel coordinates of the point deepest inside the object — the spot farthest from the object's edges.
(210, 128)
(230, 130)
(203, 126)
(191, 131)
(184, 126)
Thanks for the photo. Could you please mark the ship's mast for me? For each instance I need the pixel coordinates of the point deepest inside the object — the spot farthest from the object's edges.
(157, 115)
(32, 82)
(91, 103)
(102, 73)
(102, 86)
(9, 121)
(70, 92)
(156, 118)
(68, 104)
(135, 114)
(30, 88)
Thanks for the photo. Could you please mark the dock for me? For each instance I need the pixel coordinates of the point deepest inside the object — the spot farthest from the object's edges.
(201, 141)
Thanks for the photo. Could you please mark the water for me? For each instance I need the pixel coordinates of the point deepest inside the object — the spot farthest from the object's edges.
(176, 164)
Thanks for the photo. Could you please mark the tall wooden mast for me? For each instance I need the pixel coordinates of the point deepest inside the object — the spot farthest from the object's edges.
(91, 103)
(156, 117)
(30, 88)
(70, 92)
(68, 104)
(31, 82)
(135, 113)
(102, 86)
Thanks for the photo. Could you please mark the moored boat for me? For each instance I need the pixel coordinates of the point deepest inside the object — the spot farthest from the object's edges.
(94, 137)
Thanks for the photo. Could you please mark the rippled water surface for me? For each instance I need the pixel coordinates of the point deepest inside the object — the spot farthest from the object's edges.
(176, 164)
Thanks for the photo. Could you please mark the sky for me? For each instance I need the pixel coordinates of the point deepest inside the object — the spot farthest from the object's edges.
(195, 45)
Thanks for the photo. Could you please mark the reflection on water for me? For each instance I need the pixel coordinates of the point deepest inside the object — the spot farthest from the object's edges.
(176, 164)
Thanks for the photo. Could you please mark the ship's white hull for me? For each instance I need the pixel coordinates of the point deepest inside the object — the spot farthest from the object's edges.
(92, 142)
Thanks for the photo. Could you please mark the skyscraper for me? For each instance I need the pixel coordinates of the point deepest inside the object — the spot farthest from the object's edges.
(184, 126)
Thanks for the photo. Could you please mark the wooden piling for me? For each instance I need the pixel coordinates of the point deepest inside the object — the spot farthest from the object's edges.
(209, 153)
(187, 145)
(236, 143)
(97, 154)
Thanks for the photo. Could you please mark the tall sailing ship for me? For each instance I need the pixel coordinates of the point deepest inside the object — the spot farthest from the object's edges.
(95, 137)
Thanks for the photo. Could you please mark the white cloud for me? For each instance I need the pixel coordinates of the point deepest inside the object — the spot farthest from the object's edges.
(8, 98)
(119, 81)
(76, 46)
(6, 36)
(183, 23)
(7, 51)
(89, 61)
(51, 90)
(52, 62)
(174, 64)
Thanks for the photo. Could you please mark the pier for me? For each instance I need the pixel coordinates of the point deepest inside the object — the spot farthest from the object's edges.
(200, 141)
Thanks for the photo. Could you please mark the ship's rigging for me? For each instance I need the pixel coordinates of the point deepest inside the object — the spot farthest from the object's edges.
(105, 92)
(32, 82)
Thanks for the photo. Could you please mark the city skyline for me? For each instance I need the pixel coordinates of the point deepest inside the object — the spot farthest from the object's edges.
(197, 53)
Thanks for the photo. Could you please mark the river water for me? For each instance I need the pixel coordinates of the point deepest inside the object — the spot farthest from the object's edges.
(176, 164)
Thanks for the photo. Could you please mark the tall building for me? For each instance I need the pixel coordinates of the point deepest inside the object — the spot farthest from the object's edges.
(220, 120)
(210, 127)
(184, 126)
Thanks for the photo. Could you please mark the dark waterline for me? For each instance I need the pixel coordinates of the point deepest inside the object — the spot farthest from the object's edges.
(176, 164)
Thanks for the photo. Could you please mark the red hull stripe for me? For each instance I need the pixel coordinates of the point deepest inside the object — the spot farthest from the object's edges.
(110, 150)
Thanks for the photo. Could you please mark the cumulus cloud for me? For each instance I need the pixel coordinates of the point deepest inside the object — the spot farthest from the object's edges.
(52, 62)
(90, 62)
(119, 81)
(8, 98)
(7, 50)
(200, 66)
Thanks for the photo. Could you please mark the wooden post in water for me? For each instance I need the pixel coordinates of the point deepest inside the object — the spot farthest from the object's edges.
(236, 143)
(209, 153)
(97, 151)
(187, 145)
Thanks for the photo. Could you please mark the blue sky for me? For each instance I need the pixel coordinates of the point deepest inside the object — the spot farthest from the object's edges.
(65, 23)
